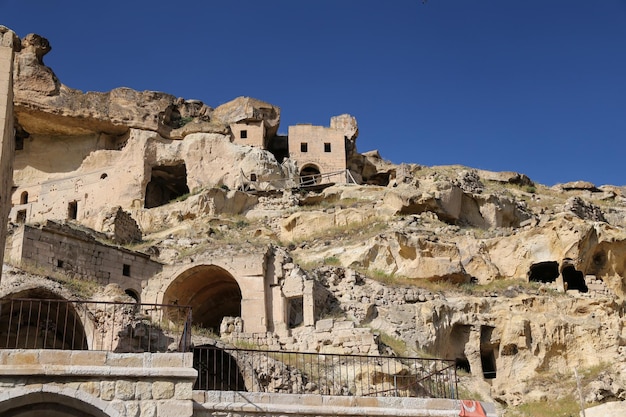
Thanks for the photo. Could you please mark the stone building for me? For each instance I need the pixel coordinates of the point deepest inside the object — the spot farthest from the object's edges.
(319, 152)
(56, 247)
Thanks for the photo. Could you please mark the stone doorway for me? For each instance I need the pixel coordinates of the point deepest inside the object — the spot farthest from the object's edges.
(211, 291)
(310, 175)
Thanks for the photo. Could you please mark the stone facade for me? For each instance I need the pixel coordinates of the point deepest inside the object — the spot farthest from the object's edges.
(318, 150)
(249, 133)
(257, 287)
(57, 247)
(96, 383)
(249, 404)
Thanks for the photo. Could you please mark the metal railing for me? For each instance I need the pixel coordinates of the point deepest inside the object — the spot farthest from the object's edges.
(94, 325)
(231, 369)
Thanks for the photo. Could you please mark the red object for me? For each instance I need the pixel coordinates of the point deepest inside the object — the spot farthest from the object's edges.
(471, 408)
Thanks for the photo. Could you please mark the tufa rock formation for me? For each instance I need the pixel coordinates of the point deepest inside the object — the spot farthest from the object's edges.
(511, 279)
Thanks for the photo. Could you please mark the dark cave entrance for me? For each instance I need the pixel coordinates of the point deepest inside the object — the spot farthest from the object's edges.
(167, 183)
(573, 279)
(544, 272)
(462, 364)
(488, 351)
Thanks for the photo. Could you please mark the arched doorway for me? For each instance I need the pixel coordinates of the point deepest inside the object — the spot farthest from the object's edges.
(211, 291)
(50, 404)
(40, 319)
(310, 175)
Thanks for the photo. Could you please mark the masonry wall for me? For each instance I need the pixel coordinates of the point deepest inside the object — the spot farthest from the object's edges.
(97, 383)
(249, 404)
(254, 133)
(7, 138)
(59, 248)
(318, 146)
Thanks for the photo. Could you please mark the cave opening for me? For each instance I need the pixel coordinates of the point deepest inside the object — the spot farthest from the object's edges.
(487, 352)
(462, 364)
(544, 272)
(167, 183)
(573, 279)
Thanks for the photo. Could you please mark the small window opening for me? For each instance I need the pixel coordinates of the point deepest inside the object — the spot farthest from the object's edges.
(252, 177)
(126, 270)
(59, 263)
(304, 147)
(295, 312)
(20, 217)
(72, 210)
(103, 176)
(326, 147)
(19, 143)
(24, 198)
(243, 134)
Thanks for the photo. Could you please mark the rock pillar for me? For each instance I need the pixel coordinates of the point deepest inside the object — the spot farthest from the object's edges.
(8, 43)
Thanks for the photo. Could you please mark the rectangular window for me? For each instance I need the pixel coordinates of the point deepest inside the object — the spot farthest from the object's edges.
(72, 210)
(304, 147)
(326, 147)
(20, 217)
(126, 270)
(243, 134)
(59, 263)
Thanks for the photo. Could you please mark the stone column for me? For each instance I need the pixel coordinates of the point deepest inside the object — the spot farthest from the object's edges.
(8, 43)
(308, 303)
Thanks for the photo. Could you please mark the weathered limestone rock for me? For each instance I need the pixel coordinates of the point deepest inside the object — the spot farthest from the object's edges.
(247, 108)
(577, 185)
(584, 210)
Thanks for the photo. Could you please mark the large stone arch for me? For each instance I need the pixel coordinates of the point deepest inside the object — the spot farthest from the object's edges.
(212, 292)
(38, 318)
(51, 402)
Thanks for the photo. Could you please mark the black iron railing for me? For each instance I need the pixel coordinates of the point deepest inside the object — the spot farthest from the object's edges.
(230, 369)
(94, 325)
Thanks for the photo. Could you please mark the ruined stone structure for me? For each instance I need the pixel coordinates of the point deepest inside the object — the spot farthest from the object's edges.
(55, 247)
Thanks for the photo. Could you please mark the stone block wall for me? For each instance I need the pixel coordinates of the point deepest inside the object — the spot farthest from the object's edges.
(250, 133)
(55, 247)
(325, 149)
(249, 404)
(113, 384)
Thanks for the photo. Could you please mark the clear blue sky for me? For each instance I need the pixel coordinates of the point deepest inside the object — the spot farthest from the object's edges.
(533, 86)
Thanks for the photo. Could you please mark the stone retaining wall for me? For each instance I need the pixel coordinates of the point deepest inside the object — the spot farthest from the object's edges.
(249, 404)
(99, 384)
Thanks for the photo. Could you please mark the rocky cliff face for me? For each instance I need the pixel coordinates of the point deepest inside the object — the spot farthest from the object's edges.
(510, 278)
